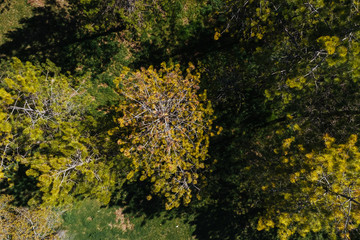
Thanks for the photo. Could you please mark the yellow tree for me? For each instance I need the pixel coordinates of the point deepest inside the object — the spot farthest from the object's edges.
(25, 223)
(43, 126)
(322, 192)
(166, 128)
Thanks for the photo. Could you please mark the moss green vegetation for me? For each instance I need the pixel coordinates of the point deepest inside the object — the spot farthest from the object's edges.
(88, 220)
(11, 13)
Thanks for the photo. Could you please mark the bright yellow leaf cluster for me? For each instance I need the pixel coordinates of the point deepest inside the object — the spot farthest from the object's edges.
(41, 127)
(169, 126)
(330, 43)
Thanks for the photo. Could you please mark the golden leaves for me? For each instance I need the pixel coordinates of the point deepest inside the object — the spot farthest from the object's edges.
(217, 36)
(323, 190)
(169, 126)
(24, 223)
(330, 43)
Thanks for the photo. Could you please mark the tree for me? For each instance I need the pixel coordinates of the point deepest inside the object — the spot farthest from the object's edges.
(25, 223)
(321, 195)
(44, 127)
(297, 65)
(166, 127)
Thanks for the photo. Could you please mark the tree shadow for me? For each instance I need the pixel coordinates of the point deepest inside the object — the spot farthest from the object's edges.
(21, 187)
(50, 34)
(39, 35)
(64, 40)
(133, 198)
(214, 222)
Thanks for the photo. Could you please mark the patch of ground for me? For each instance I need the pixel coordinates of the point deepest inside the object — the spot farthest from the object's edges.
(122, 222)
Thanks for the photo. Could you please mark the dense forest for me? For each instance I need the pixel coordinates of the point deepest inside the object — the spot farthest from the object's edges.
(179, 119)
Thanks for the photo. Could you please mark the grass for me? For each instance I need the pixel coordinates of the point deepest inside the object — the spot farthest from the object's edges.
(89, 221)
(11, 12)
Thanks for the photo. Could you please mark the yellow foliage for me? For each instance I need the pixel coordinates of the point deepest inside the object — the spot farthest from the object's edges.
(41, 119)
(287, 142)
(169, 124)
(342, 51)
(265, 224)
(24, 223)
(217, 36)
(327, 181)
(330, 43)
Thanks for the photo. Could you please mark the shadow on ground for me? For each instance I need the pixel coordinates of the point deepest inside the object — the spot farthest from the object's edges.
(51, 35)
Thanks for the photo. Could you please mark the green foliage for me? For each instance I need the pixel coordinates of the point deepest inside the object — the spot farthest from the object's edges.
(44, 127)
(293, 79)
(167, 26)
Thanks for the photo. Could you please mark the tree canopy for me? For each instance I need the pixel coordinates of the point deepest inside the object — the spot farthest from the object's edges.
(251, 106)
(168, 126)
